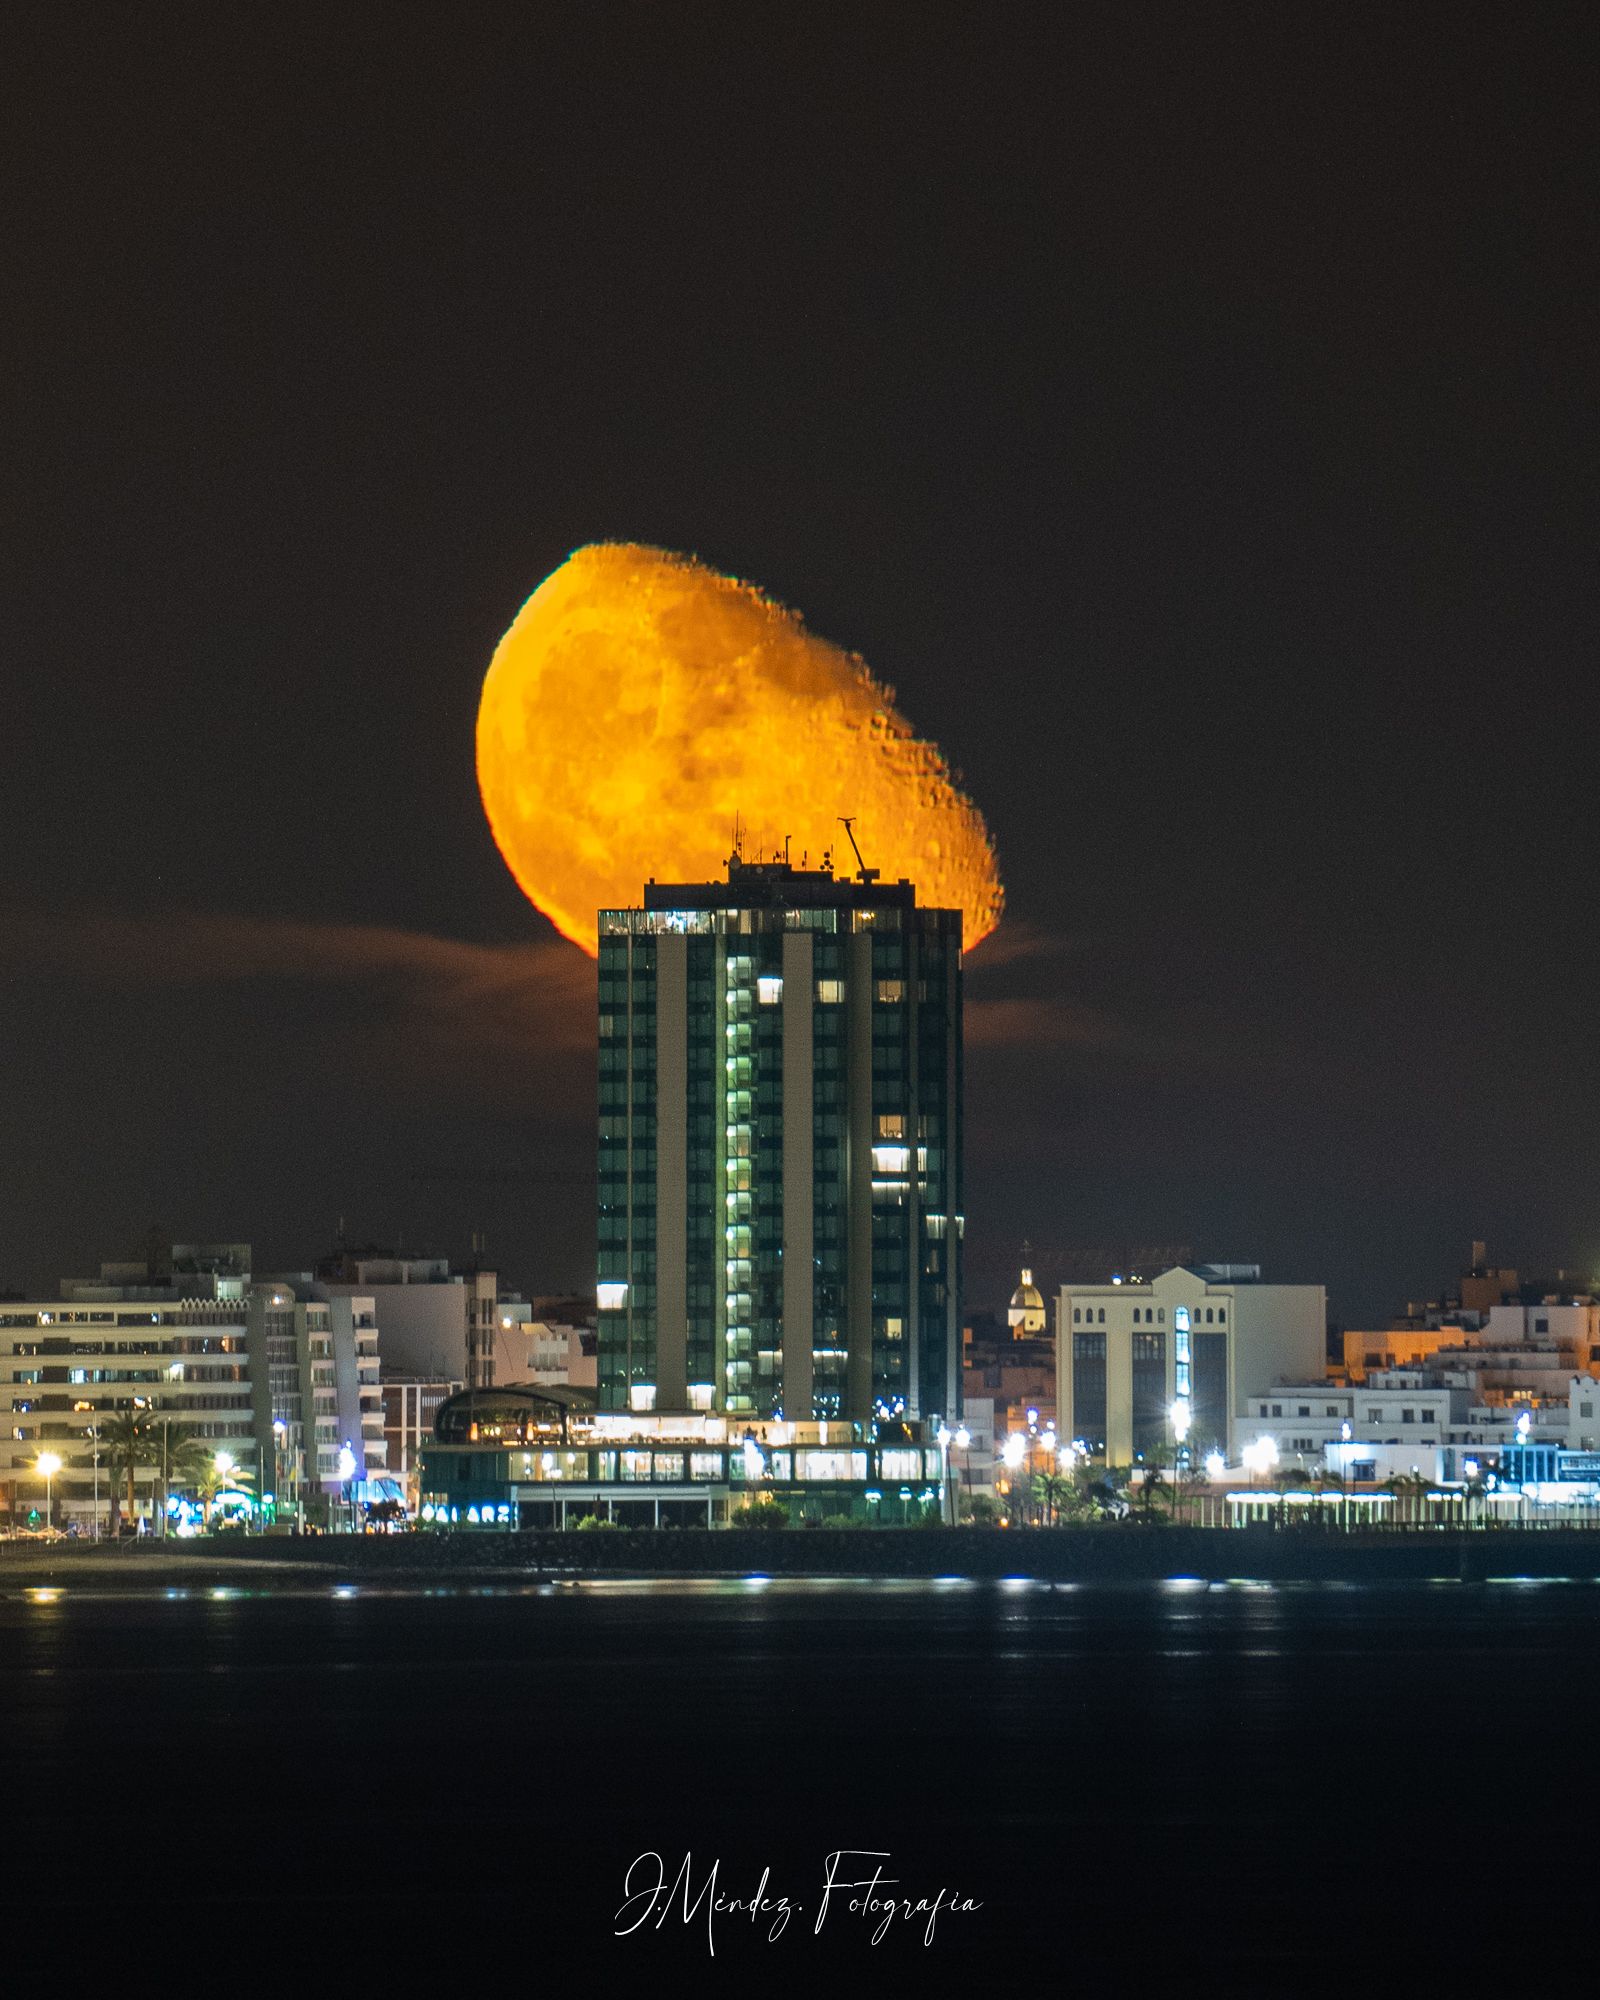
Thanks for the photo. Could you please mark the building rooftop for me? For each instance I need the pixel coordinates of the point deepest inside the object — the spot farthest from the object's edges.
(778, 885)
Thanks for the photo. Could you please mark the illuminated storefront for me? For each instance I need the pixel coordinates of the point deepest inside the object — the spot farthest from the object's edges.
(524, 1457)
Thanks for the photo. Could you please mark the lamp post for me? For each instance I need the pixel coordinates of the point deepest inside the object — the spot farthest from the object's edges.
(280, 1431)
(946, 1438)
(47, 1465)
(1260, 1456)
(1216, 1472)
(1180, 1416)
(1014, 1452)
(347, 1473)
(91, 1431)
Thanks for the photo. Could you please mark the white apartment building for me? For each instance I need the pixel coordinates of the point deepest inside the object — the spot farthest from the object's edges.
(439, 1325)
(1209, 1336)
(282, 1381)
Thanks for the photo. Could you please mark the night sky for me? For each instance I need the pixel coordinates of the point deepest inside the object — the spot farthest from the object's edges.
(1189, 411)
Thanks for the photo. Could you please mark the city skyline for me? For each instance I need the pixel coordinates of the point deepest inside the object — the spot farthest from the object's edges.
(1226, 530)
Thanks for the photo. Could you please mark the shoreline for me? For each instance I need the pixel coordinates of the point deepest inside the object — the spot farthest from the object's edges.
(1046, 1555)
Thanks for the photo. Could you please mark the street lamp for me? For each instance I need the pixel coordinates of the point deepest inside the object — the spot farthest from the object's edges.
(947, 1494)
(1012, 1454)
(347, 1473)
(47, 1465)
(281, 1469)
(1259, 1457)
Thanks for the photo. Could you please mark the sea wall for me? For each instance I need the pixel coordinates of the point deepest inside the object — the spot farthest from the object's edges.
(1066, 1555)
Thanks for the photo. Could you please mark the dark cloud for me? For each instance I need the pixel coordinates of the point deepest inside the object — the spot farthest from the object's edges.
(424, 1015)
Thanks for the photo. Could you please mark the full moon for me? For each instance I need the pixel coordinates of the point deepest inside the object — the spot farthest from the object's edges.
(640, 702)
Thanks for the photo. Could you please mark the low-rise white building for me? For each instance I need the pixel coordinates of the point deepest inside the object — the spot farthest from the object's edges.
(1412, 1421)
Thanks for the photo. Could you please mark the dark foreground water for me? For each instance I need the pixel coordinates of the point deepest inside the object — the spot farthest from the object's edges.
(1264, 1788)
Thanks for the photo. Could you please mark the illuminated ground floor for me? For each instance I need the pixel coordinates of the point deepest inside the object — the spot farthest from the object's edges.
(651, 1483)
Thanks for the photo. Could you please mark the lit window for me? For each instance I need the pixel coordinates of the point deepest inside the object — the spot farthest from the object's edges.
(891, 1125)
(642, 1396)
(769, 990)
(830, 992)
(611, 1297)
(891, 989)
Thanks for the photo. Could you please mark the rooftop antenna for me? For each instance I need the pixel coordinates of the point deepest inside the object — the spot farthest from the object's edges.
(786, 839)
(863, 872)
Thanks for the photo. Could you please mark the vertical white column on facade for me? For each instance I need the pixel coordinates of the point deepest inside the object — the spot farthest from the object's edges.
(672, 1173)
(799, 1146)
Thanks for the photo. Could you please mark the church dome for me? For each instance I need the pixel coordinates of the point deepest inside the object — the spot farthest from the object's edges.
(1026, 1312)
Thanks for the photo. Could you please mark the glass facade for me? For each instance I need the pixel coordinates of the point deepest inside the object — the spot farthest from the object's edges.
(1150, 1401)
(780, 1086)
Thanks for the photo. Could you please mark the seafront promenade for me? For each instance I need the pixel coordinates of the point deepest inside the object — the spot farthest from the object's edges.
(1056, 1555)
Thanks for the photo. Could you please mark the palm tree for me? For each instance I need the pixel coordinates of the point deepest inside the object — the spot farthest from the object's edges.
(129, 1441)
(178, 1457)
(188, 1460)
(1151, 1491)
(1332, 1482)
(1408, 1489)
(1050, 1490)
(222, 1474)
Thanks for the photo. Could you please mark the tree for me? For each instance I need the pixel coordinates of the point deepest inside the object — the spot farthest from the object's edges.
(1191, 1477)
(1050, 1490)
(1408, 1489)
(179, 1459)
(129, 1441)
(221, 1474)
(1153, 1490)
(1331, 1482)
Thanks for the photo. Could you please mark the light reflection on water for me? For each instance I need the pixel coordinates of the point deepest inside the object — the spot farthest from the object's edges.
(1021, 1596)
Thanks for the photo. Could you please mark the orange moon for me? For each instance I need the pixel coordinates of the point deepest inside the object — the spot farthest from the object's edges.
(640, 701)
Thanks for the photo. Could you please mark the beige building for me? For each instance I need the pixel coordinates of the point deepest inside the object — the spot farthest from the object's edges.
(1202, 1338)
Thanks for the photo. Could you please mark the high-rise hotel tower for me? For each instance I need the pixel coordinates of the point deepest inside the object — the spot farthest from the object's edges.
(780, 1148)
